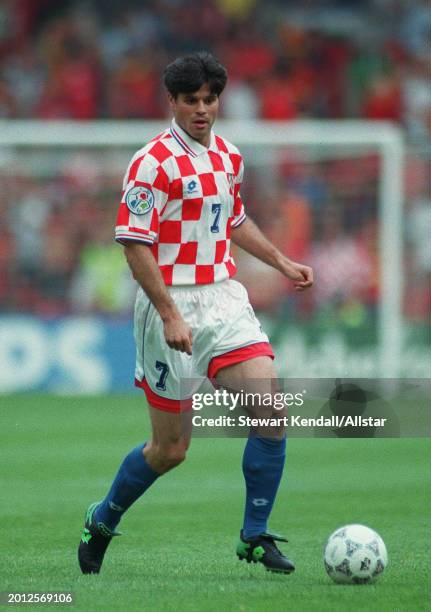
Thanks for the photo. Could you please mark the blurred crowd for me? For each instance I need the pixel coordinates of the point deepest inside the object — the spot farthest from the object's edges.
(324, 59)
(58, 210)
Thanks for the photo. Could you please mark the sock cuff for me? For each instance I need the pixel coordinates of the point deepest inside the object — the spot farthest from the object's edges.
(137, 464)
(272, 446)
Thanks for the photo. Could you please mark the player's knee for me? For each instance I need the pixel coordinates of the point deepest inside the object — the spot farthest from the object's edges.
(171, 456)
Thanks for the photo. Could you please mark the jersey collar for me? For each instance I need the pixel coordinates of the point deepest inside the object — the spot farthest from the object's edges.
(191, 147)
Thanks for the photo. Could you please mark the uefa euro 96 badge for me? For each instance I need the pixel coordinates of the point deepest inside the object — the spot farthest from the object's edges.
(139, 200)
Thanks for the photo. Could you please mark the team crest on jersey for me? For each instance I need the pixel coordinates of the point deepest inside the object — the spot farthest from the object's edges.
(231, 181)
(139, 200)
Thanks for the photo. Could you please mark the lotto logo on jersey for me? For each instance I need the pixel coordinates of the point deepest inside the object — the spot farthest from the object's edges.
(191, 187)
(140, 200)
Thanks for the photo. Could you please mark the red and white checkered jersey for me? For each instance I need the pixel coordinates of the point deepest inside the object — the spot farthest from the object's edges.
(183, 199)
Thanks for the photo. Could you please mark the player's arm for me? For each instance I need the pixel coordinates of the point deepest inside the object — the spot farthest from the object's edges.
(249, 237)
(146, 272)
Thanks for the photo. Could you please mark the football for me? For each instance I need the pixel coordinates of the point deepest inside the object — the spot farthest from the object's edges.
(355, 554)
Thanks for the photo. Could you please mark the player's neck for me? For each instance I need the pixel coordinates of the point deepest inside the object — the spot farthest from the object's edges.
(204, 140)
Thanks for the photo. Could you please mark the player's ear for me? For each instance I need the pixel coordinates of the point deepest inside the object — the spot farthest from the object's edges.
(172, 101)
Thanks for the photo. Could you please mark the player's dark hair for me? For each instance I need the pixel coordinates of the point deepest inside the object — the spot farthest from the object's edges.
(188, 73)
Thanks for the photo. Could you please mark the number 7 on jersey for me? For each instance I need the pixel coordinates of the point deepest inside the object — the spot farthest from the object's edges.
(216, 210)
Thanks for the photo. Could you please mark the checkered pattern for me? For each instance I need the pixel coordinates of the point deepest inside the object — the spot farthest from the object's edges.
(196, 203)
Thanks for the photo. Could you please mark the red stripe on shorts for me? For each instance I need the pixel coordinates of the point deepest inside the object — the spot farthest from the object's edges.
(258, 349)
(163, 403)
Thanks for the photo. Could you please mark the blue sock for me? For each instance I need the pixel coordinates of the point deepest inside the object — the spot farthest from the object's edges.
(134, 477)
(262, 465)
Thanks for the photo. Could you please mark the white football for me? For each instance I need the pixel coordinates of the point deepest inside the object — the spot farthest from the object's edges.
(355, 554)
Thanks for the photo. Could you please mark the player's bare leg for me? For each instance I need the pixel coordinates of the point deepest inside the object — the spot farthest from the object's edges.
(170, 439)
(263, 464)
(255, 375)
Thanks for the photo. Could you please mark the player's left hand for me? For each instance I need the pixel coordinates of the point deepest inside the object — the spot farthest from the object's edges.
(301, 275)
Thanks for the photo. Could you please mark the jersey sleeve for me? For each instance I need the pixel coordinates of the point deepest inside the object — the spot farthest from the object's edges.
(239, 215)
(145, 193)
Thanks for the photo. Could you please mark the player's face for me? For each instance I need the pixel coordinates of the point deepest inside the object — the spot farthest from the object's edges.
(196, 112)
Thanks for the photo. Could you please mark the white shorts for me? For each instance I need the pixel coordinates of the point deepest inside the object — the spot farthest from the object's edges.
(225, 331)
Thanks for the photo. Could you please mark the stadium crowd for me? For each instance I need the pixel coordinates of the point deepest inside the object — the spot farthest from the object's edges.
(85, 60)
(326, 59)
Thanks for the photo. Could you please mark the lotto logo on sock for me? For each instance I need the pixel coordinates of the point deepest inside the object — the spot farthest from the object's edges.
(115, 507)
(260, 501)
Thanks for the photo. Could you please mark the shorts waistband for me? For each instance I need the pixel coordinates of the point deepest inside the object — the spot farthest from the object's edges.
(188, 288)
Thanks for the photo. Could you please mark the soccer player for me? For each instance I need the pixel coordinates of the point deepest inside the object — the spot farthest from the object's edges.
(180, 210)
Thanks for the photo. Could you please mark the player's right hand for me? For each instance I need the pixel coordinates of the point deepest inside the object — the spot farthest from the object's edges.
(178, 335)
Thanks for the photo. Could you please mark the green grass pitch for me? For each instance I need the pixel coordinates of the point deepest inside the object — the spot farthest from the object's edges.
(178, 548)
